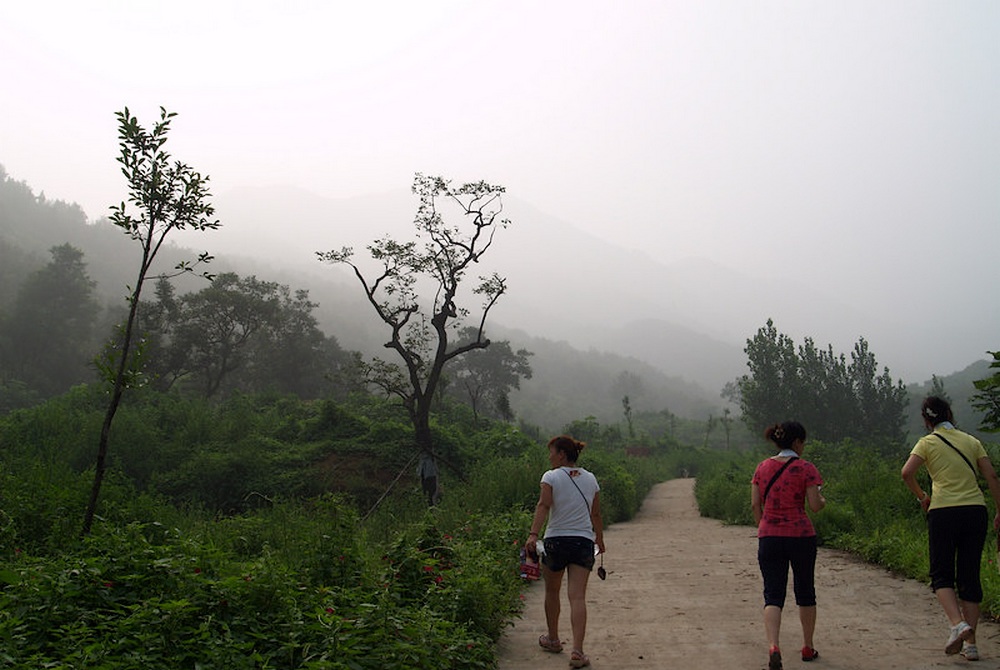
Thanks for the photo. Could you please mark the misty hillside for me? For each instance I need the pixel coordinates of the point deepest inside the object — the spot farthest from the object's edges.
(689, 319)
(568, 383)
(591, 312)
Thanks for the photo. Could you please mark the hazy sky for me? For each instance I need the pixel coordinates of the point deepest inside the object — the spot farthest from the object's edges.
(854, 146)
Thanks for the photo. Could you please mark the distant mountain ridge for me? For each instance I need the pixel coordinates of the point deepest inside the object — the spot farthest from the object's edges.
(690, 318)
(592, 310)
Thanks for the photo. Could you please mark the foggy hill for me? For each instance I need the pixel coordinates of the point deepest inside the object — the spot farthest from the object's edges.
(690, 319)
(588, 309)
(569, 383)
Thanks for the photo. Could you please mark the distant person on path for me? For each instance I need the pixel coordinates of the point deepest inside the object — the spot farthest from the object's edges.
(781, 487)
(570, 500)
(956, 518)
(428, 472)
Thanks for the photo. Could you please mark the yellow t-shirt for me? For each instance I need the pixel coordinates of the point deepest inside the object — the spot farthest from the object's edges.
(953, 481)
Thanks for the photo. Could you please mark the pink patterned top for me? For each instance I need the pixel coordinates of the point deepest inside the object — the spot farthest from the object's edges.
(784, 511)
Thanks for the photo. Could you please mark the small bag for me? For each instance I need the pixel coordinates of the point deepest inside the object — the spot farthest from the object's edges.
(529, 566)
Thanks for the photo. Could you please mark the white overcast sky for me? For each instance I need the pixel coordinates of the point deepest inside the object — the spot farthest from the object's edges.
(850, 144)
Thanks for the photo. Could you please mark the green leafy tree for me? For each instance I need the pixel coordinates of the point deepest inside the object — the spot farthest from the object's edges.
(834, 399)
(419, 291)
(770, 390)
(487, 376)
(937, 389)
(986, 399)
(163, 196)
(239, 334)
(217, 325)
(47, 336)
(880, 403)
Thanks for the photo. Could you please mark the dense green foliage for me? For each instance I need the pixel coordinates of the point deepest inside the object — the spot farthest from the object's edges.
(869, 510)
(987, 396)
(46, 339)
(240, 334)
(819, 388)
(254, 533)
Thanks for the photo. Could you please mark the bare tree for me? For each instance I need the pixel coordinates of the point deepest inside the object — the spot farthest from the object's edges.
(418, 291)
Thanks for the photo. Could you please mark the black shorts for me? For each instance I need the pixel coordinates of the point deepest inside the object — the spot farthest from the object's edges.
(956, 536)
(563, 551)
(775, 555)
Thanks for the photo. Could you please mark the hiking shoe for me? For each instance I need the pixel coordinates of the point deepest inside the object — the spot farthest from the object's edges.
(809, 654)
(774, 659)
(970, 652)
(960, 632)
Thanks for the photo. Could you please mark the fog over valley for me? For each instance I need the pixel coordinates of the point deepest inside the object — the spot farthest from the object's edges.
(689, 317)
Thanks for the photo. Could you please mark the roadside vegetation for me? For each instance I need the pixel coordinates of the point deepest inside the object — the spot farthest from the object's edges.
(269, 532)
(869, 511)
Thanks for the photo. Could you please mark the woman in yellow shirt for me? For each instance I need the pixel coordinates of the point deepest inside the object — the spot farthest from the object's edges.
(956, 517)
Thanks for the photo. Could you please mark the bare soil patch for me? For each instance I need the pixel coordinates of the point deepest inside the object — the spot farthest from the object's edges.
(685, 591)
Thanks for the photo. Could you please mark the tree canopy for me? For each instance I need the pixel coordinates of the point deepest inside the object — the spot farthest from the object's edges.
(987, 397)
(45, 339)
(833, 398)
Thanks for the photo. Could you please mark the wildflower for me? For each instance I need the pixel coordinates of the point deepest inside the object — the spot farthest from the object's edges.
(428, 568)
(197, 571)
(329, 610)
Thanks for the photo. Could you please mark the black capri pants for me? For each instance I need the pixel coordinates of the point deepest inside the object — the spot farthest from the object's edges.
(775, 555)
(956, 536)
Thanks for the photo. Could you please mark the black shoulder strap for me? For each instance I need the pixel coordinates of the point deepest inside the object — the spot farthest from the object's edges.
(775, 478)
(585, 501)
(975, 472)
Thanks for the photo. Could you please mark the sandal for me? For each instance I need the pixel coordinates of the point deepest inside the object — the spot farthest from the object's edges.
(809, 654)
(578, 659)
(549, 644)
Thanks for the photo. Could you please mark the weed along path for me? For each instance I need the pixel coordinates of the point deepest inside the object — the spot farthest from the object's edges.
(685, 592)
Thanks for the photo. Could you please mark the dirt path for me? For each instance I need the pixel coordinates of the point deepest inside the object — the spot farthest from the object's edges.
(683, 591)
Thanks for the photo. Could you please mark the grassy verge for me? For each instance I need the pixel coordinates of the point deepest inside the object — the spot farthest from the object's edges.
(869, 511)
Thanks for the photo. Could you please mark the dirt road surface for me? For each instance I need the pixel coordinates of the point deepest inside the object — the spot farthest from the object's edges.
(685, 592)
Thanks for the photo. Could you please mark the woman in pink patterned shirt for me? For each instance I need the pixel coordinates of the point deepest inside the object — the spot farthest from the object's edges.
(781, 487)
